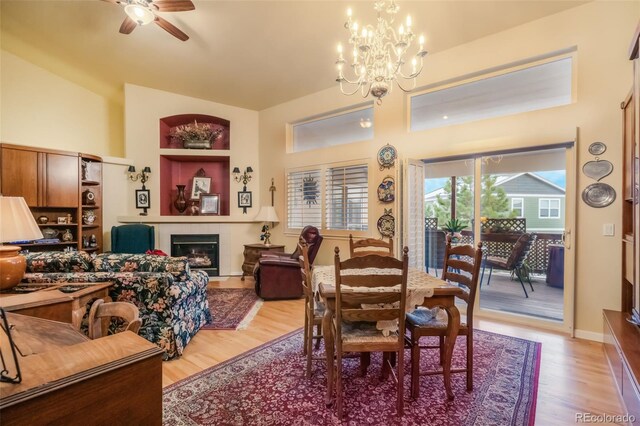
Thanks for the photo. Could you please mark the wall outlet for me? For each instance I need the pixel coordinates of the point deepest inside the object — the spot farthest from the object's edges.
(608, 229)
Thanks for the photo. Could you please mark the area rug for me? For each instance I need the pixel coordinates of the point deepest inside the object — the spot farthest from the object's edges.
(267, 386)
(232, 308)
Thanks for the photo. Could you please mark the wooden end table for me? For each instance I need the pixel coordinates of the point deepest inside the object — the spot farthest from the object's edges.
(49, 302)
(252, 253)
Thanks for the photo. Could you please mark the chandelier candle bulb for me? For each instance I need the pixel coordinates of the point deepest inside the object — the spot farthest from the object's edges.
(379, 54)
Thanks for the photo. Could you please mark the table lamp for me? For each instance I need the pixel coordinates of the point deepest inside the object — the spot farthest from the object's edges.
(267, 214)
(16, 224)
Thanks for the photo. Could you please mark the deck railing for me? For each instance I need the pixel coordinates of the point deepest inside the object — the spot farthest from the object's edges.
(498, 237)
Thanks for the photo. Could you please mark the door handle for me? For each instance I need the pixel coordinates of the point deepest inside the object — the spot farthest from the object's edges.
(566, 239)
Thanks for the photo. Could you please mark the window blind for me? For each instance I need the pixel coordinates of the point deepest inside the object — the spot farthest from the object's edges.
(304, 199)
(347, 198)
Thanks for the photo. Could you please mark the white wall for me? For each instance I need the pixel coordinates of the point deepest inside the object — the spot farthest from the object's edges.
(144, 108)
(39, 108)
(601, 32)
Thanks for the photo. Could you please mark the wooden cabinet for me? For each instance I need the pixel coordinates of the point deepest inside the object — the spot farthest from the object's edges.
(60, 180)
(44, 179)
(252, 253)
(622, 348)
(52, 183)
(20, 174)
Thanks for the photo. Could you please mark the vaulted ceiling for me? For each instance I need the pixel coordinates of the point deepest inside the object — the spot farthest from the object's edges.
(252, 54)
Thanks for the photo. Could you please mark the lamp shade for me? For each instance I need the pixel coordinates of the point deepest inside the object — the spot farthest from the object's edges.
(16, 221)
(267, 214)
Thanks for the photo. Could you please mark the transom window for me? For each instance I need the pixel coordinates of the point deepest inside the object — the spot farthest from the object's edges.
(549, 208)
(338, 202)
(536, 87)
(331, 130)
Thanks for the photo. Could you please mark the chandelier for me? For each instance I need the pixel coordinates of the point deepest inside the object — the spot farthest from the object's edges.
(379, 55)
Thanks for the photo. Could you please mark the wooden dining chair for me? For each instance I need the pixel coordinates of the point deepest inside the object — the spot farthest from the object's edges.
(124, 310)
(355, 328)
(461, 266)
(368, 246)
(313, 309)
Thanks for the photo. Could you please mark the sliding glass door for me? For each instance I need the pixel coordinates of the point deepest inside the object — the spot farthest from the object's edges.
(520, 205)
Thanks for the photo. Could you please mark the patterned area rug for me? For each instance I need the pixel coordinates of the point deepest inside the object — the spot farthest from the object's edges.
(267, 386)
(232, 308)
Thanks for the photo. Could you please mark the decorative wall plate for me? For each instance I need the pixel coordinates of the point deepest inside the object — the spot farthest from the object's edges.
(598, 195)
(387, 190)
(387, 156)
(597, 169)
(597, 148)
(387, 224)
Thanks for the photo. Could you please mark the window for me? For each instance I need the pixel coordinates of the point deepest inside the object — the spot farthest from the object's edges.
(303, 199)
(516, 206)
(549, 208)
(347, 201)
(344, 197)
(344, 128)
(529, 89)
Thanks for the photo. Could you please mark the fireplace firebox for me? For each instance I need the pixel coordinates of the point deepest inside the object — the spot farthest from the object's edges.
(201, 250)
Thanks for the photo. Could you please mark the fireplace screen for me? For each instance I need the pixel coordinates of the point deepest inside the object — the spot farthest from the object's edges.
(201, 251)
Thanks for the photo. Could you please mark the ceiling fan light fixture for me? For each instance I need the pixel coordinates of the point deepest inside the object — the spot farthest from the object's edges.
(141, 15)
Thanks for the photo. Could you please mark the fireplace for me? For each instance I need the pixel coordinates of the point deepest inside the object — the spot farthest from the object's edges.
(201, 250)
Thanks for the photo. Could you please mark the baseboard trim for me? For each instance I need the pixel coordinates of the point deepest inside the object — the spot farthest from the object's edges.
(589, 335)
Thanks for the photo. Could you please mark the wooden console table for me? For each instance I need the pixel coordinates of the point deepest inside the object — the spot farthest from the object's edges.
(75, 381)
(53, 304)
(252, 253)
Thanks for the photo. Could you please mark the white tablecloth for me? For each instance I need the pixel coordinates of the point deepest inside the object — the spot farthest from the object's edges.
(420, 285)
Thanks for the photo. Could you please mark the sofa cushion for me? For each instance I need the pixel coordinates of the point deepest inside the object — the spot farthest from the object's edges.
(59, 261)
(123, 262)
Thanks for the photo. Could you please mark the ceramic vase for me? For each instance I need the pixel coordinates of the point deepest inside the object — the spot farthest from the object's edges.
(180, 203)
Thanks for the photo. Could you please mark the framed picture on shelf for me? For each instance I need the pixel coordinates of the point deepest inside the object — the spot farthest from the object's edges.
(244, 199)
(62, 221)
(142, 199)
(210, 204)
(201, 185)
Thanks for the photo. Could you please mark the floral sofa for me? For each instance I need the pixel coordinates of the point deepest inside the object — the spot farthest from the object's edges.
(171, 298)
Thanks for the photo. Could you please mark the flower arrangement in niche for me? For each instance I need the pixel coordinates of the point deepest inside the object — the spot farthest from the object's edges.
(195, 135)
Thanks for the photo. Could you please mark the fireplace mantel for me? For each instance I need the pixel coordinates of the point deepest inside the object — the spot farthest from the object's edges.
(184, 219)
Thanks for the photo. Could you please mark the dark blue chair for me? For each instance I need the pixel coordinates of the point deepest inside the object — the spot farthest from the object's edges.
(135, 238)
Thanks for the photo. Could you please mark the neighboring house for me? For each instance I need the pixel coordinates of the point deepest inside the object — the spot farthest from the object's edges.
(541, 202)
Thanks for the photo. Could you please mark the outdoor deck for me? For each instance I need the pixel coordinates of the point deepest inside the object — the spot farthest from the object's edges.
(505, 295)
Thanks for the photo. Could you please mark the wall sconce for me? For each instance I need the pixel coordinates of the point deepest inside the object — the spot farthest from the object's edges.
(143, 175)
(245, 177)
(244, 196)
(142, 195)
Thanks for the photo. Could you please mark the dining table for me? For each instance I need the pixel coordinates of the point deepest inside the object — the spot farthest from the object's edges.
(423, 289)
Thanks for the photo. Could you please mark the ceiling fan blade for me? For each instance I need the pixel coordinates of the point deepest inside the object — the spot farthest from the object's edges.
(112, 1)
(128, 25)
(171, 29)
(172, 5)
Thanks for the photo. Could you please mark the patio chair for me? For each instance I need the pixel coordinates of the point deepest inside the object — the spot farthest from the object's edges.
(434, 244)
(515, 261)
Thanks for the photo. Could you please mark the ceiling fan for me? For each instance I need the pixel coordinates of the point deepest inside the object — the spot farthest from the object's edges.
(143, 12)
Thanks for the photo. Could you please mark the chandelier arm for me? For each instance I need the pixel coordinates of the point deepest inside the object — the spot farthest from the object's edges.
(412, 75)
(406, 90)
(350, 93)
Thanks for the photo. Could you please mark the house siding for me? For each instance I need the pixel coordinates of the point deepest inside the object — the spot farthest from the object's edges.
(527, 184)
(531, 213)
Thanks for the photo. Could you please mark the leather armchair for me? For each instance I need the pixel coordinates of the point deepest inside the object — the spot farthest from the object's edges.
(278, 275)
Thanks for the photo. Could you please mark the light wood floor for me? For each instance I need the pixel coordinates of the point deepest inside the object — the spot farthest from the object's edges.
(574, 375)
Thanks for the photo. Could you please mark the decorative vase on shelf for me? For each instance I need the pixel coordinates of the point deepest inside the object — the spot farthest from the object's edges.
(180, 203)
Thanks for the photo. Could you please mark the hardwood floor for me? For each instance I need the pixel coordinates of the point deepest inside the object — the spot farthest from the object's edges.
(574, 374)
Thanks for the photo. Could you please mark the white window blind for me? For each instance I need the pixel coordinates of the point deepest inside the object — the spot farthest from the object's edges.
(347, 198)
(304, 205)
(340, 129)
